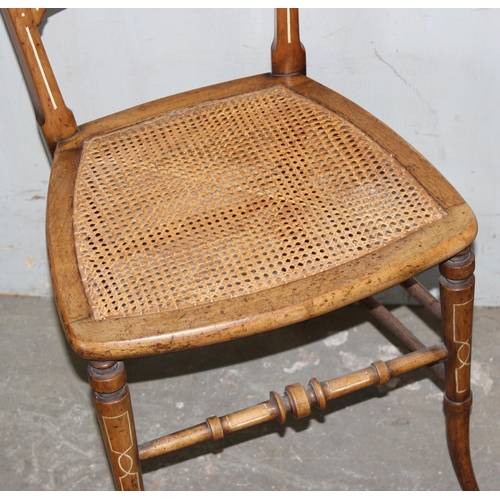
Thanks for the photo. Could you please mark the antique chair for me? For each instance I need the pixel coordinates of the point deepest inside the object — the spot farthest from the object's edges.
(237, 209)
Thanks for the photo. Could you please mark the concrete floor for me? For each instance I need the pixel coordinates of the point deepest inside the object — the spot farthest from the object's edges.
(386, 438)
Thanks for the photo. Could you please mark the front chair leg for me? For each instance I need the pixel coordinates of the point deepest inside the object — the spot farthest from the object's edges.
(114, 411)
(457, 296)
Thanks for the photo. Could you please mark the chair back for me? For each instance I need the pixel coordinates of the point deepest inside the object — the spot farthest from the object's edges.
(53, 116)
(56, 120)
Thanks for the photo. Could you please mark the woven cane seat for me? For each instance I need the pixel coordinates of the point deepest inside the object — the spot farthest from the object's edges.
(230, 197)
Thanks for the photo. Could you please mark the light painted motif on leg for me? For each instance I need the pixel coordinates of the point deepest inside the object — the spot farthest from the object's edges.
(125, 461)
(463, 352)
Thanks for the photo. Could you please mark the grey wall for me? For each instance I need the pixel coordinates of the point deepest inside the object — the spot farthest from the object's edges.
(433, 75)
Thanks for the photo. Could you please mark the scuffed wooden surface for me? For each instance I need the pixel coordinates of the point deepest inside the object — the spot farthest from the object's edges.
(45, 397)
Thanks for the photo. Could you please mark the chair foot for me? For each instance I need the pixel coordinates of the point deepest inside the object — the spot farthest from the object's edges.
(114, 411)
(457, 424)
(457, 296)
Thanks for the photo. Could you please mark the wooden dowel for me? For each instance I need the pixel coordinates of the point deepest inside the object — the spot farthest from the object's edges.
(297, 401)
(176, 441)
(396, 328)
(423, 296)
(422, 357)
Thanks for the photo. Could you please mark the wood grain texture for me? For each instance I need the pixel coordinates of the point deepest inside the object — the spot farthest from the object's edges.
(111, 397)
(288, 55)
(339, 208)
(457, 299)
(54, 118)
(296, 401)
(254, 313)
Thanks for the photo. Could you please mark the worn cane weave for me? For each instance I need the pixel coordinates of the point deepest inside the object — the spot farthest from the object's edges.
(230, 197)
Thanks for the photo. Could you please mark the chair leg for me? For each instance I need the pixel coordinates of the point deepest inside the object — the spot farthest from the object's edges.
(457, 296)
(114, 411)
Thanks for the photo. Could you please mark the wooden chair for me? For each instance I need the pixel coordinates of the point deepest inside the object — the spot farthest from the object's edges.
(237, 209)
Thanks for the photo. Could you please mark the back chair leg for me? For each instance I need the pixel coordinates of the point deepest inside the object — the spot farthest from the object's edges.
(457, 297)
(114, 411)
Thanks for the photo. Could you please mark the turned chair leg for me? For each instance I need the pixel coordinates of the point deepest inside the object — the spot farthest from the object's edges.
(114, 411)
(457, 296)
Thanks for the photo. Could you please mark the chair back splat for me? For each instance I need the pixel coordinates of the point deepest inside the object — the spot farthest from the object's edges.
(238, 209)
